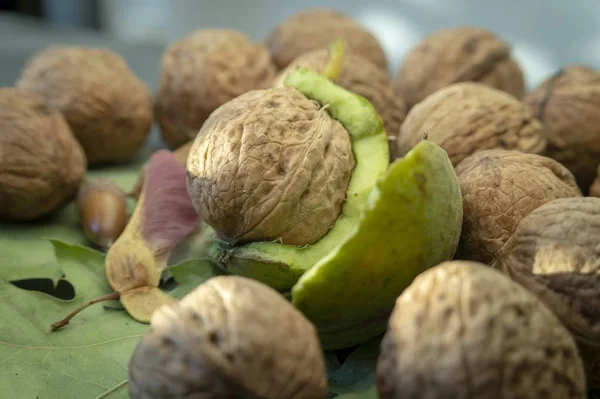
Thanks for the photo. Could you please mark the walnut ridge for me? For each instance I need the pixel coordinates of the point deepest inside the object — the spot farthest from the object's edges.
(108, 108)
(203, 71)
(41, 162)
(464, 330)
(458, 54)
(499, 188)
(270, 165)
(231, 337)
(467, 117)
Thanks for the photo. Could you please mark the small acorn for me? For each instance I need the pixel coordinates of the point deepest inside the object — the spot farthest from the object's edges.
(102, 208)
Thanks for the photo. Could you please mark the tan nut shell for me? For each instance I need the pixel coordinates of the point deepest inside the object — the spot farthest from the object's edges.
(568, 105)
(458, 54)
(362, 77)
(595, 188)
(555, 253)
(463, 330)
(316, 28)
(467, 117)
(41, 163)
(270, 165)
(108, 108)
(201, 72)
(499, 188)
(231, 337)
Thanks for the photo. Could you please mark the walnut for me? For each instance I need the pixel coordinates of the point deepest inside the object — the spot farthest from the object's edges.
(499, 188)
(315, 28)
(232, 337)
(41, 162)
(108, 108)
(554, 252)
(360, 76)
(467, 117)
(203, 71)
(595, 188)
(270, 165)
(458, 54)
(567, 104)
(464, 330)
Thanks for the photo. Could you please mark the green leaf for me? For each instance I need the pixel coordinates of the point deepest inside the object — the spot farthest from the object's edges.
(358, 372)
(190, 274)
(370, 393)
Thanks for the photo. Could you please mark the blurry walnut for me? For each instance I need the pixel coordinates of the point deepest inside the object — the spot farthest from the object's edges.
(41, 162)
(108, 108)
(315, 28)
(499, 188)
(232, 337)
(568, 105)
(203, 71)
(555, 253)
(595, 188)
(270, 165)
(464, 330)
(360, 76)
(459, 54)
(467, 117)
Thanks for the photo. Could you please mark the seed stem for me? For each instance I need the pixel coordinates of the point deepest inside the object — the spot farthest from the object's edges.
(61, 323)
(336, 55)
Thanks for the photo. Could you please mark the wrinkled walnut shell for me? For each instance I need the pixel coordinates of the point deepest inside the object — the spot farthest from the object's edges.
(231, 337)
(467, 117)
(567, 103)
(459, 54)
(359, 76)
(595, 188)
(555, 253)
(270, 165)
(41, 162)
(108, 108)
(499, 188)
(464, 330)
(314, 29)
(201, 72)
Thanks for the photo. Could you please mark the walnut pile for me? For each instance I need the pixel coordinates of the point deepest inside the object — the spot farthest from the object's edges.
(467, 117)
(555, 253)
(316, 28)
(567, 103)
(231, 337)
(458, 54)
(499, 188)
(108, 108)
(201, 72)
(270, 165)
(464, 330)
(41, 162)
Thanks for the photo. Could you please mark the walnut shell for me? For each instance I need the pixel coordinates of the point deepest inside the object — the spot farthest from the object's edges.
(467, 117)
(316, 28)
(108, 108)
(41, 162)
(270, 165)
(555, 253)
(231, 337)
(203, 71)
(458, 54)
(595, 188)
(362, 77)
(567, 104)
(464, 330)
(499, 188)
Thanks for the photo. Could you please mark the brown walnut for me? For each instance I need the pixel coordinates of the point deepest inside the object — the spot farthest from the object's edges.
(499, 188)
(270, 165)
(41, 162)
(360, 76)
(464, 330)
(231, 337)
(201, 72)
(467, 117)
(567, 103)
(595, 188)
(108, 108)
(315, 28)
(555, 253)
(458, 54)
